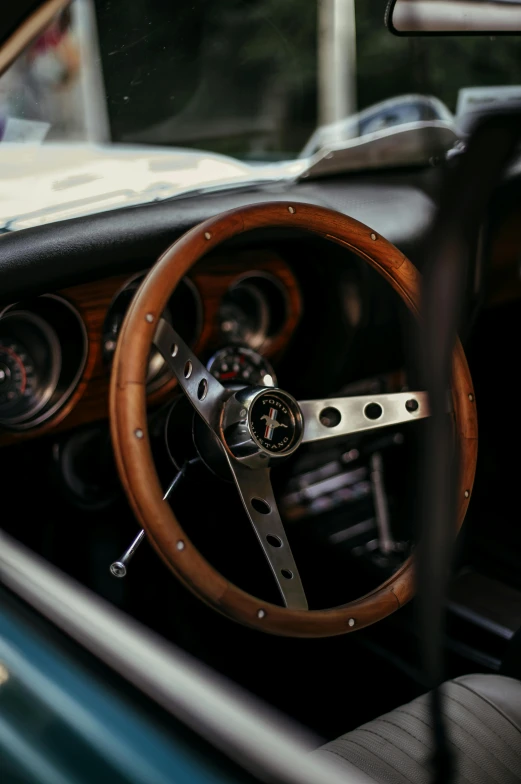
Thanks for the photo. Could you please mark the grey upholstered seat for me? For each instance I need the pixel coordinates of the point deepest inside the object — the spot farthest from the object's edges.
(484, 725)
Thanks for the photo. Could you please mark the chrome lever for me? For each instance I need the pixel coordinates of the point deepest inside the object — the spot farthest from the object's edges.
(119, 568)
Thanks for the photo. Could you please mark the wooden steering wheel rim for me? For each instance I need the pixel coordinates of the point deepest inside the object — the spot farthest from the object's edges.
(130, 433)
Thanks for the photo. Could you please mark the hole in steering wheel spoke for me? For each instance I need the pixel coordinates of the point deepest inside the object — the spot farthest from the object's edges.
(260, 506)
(188, 369)
(275, 541)
(330, 417)
(373, 411)
(202, 389)
(287, 574)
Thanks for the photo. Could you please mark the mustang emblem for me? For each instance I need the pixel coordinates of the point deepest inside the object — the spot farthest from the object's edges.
(271, 423)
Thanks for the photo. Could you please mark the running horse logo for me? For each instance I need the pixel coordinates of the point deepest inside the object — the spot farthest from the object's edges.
(271, 423)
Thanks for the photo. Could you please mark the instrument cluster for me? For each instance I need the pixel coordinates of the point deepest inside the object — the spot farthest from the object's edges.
(250, 312)
(236, 311)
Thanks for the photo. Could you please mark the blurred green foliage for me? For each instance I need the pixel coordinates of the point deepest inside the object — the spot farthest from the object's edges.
(439, 65)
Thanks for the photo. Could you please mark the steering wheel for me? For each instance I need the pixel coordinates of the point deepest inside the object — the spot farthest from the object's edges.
(254, 429)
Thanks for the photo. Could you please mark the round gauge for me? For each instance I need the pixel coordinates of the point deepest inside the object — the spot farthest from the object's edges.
(29, 366)
(111, 327)
(184, 311)
(244, 315)
(233, 365)
(16, 375)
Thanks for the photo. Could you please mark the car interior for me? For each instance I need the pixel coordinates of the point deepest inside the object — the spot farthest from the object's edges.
(152, 356)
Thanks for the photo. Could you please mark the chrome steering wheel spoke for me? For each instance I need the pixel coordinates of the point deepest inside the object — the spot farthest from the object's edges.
(203, 391)
(256, 492)
(208, 397)
(343, 416)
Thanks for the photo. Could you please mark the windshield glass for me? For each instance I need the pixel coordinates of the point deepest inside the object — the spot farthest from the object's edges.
(262, 82)
(248, 78)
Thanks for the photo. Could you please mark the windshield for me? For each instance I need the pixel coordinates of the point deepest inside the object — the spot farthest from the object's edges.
(252, 79)
(120, 103)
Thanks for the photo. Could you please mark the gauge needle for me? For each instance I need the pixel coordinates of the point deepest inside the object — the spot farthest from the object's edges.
(224, 376)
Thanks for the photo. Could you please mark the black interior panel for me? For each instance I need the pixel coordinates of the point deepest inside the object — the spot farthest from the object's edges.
(61, 254)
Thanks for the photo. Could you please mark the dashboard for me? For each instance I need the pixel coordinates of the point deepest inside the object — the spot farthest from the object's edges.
(238, 310)
(65, 289)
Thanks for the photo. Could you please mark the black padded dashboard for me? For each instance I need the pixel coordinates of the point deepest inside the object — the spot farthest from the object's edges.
(36, 260)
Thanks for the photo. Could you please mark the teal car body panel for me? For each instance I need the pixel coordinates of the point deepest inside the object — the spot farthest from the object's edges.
(63, 722)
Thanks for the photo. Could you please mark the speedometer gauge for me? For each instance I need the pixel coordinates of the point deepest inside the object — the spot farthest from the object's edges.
(16, 375)
(184, 312)
(30, 364)
(235, 365)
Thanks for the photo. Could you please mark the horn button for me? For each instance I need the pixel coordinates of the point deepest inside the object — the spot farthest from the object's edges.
(262, 425)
